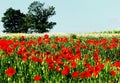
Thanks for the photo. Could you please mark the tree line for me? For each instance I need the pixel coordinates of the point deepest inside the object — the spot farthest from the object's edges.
(35, 20)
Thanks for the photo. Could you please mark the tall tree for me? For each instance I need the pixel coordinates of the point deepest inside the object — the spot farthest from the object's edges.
(38, 17)
(13, 21)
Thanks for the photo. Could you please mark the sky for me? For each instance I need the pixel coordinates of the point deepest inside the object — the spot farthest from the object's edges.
(74, 16)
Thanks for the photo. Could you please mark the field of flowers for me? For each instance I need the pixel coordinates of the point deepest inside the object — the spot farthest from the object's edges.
(59, 59)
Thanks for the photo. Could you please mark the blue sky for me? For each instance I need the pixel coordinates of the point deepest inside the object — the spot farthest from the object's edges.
(75, 15)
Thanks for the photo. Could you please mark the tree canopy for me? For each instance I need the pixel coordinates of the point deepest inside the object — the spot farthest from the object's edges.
(13, 21)
(36, 20)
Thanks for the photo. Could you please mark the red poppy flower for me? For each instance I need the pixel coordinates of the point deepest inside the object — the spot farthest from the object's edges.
(51, 66)
(97, 69)
(103, 41)
(114, 40)
(84, 46)
(39, 40)
(86, 56)
(35, 59)
(112, 46)
(86, 74)
(65, 72)
(54, 46)
(49, 60)
(46, 36)
(58, 68)
(78, 56)
(37, 78)
(113, 73)
(73, 65)
(9, 50)
(90, 41)
(105, 47)
(117, 63)
(107, 60)
(75, 74)
(87, 65)
(66, 67)
(24, 58)
(10, 71)
(72, 41)
(22, 37)
(96, 57)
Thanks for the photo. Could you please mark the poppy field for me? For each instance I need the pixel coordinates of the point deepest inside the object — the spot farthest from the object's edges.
(59, 59)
